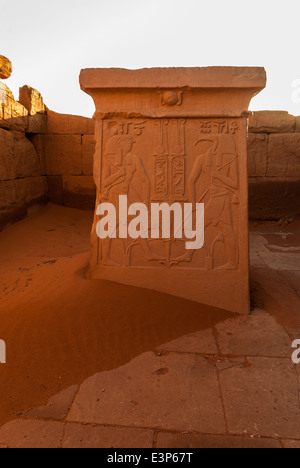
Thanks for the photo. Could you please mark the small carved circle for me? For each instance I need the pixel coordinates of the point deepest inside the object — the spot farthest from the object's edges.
(170, 98)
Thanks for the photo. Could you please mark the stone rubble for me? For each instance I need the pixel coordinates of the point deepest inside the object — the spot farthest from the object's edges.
(5, 67)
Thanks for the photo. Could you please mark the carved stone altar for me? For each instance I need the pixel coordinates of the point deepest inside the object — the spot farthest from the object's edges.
(176, 135)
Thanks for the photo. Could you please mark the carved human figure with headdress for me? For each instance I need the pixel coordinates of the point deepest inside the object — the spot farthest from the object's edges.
(217, 164)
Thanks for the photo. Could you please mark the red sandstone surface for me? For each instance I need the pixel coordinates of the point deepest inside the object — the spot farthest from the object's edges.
(176, 135)
(69, 328)
(59, 327)
(5, 67)
(96, 364)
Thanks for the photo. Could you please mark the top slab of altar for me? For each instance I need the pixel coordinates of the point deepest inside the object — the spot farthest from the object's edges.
(158, 92)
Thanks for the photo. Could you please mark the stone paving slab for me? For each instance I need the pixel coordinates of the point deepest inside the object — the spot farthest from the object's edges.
(275, 257)
(256, 260)
(282, 261)
(57, 407)
(86, 436)
(202, 342)
(261, 397)
(258, 243)
(253, 336)
(175, 391)
(192, 441)
(280, 297)
(291, 444)
(178, 397)
(31, 434)
(293, 277)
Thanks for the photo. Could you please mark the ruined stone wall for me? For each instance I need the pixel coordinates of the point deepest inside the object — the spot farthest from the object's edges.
(65, 145)
(23, 187)
(46, 156)
(274, 165)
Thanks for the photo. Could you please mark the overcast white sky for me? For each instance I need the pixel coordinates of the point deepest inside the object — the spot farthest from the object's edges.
(49, 41)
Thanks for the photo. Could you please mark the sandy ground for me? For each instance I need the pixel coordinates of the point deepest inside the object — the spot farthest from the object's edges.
(60, 327)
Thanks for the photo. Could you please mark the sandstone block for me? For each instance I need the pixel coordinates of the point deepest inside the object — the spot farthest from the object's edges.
(35, 190)
(167, 440)
(3, 88)
(32, 100)
(19, 196)
(18, 158)
(79, 192)
(69, 124)
(202, 342)
(7, 157)
(175, 136)
(5, 67)
(63, 154)
(13, 115)
(10, 107)
(39, 142)
(249, 336)
(22, 192)
(12, 193)
(145, 401)
(37, 123)
(284, 155)
(271, 122)
(257, 154)
(57, 407)
(55, 189)
(32, 434)
(19, 124)
(297, 129)
(88, 436)
(254, 400)
(11, 215)
(27, 160)
(272, 198)
(291, 444)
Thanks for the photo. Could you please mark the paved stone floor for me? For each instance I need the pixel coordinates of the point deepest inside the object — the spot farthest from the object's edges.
(230, 386)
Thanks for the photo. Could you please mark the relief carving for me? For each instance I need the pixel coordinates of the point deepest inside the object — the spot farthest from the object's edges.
(174, 137)
(178, 177)
(224, 126)
(161, 141)
(171, 98)
(169, 169)
(177, 138)
(161, 177)
(123, 173)
(204, 171)
(216, 169)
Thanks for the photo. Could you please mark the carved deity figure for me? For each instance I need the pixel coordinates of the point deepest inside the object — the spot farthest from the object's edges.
(216, 167)
(123, 173)
(119, 167)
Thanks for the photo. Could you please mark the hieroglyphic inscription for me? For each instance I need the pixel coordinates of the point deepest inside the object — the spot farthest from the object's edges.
(225, 126)
(169, 160)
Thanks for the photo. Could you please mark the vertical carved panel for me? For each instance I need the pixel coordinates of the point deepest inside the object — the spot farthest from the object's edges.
(191, 160)
(178, 177)
(161, 142)
(178, 137)
(169, 160)
(160, 177)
